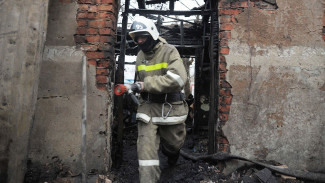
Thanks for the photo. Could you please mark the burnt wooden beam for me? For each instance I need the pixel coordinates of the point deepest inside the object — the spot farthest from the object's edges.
(120, 80)
(141, 4)
(214, 82)
(168, 12)
(156, 1)
(182, 32)
(171, 5)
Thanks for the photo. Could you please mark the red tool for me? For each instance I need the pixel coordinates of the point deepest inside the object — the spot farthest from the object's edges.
(120, 89)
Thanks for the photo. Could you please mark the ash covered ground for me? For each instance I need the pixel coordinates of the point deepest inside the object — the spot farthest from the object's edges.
(185, 171)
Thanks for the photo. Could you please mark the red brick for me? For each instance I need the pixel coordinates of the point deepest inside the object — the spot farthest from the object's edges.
(222, 148)
(225, 84)
(95, 55)
(93, 8)
(92, 31)
(225, 35)
(221, 100)
(226, 27)
(101, 79)
(224, 117)
(93, 39)
(105, 15)
(105, 31)
(81, 30)
(106, 47)
(222, 140)
(225, 19)
(82, 15)
(224, 51)
(223, 66)
(106, 8)
(106, 39)
(227, 100)
(90, 47)
(223, 43)
(222, 75)
(82, 23)
(230, 11)
(224, 4)
(92, 62)
(83, 7)
(79, 39)
(224, 108)
(100, 24)
(88, 15)
(242, 4)
(102, 72)
(224, 92)
(103, 63)
(222, 58)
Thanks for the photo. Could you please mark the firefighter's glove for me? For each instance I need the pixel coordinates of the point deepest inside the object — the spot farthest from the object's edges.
(135, 87)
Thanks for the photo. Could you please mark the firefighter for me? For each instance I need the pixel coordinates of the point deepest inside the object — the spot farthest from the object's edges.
(160, 78)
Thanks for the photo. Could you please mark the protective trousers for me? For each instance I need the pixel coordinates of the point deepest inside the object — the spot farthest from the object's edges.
(172, 138)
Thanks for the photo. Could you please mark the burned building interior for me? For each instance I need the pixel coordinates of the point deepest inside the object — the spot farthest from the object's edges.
(256, 100)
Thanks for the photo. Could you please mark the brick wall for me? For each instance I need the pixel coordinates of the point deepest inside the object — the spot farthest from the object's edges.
(97, 21)
(227, 11)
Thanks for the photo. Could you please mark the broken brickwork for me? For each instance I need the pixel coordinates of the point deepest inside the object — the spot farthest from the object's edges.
(227, 11)
(96, 34)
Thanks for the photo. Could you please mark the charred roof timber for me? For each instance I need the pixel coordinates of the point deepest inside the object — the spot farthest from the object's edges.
(168, 12)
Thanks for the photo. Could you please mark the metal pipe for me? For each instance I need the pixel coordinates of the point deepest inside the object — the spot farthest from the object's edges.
(84, 121)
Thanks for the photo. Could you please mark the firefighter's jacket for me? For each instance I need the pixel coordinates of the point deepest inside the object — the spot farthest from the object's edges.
(162, 71)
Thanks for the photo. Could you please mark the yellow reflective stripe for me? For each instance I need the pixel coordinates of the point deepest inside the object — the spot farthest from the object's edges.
(152, 67)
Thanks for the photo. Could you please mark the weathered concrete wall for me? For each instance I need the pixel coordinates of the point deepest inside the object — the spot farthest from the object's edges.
(57, 128)
(22, 35)
(277, 70)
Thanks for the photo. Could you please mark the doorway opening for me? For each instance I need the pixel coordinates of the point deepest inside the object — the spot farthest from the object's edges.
(195, 33)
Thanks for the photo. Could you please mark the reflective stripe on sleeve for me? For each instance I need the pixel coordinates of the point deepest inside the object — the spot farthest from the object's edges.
(176, 77)
(169, 119)
(152, 67)
(148, 162)
(143, 117)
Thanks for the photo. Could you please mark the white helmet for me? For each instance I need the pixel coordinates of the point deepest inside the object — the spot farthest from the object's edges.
(144, 25)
